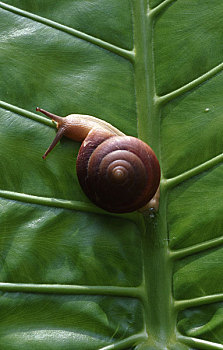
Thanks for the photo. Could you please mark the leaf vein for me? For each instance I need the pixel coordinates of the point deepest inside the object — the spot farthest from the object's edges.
(127, 54)
(191, 85)
(159, 8)
(174, 181)
(204, 300)
(132, 292)
(26, 113)
(123, 344)
(135, 217)
(197, 248)
(200, 343)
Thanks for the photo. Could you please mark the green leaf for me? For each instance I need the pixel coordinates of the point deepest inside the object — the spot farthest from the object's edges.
(73, 276)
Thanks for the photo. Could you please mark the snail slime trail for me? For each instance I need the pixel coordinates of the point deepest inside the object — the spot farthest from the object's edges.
(118, 173)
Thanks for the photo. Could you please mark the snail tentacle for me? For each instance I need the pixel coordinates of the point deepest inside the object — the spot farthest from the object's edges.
(54, 117)
(58, 136)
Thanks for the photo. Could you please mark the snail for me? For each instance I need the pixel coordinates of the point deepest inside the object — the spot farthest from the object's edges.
(118, 173)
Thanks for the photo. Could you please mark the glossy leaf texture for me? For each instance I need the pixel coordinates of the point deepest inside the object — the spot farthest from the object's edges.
(71, 275)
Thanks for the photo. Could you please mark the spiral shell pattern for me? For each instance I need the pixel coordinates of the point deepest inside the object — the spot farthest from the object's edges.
(118, 173)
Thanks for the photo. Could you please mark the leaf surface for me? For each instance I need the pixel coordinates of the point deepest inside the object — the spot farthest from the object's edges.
(71, 275)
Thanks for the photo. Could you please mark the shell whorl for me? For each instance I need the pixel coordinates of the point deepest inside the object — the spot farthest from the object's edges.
(118, 173)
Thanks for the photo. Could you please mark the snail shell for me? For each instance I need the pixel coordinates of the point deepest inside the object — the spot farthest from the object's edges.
(118, 173)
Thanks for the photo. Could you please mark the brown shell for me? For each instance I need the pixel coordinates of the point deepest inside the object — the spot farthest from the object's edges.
(118, 173)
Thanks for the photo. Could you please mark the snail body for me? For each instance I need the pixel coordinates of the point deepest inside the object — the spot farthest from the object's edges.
(118, 173)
